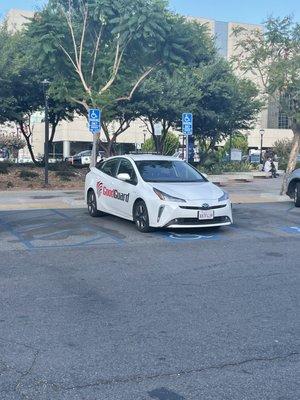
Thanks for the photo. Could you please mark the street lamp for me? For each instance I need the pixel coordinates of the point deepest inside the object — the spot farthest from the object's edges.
(46, 84)
(262, 132)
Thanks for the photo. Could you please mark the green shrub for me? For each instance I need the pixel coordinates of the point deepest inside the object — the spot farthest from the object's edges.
(26, 175)
(219, 168)
(283, 165)
(170, 145)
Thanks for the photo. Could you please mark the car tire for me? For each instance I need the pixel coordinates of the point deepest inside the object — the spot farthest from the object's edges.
(141, 217)
(92, 205)
(297, 194)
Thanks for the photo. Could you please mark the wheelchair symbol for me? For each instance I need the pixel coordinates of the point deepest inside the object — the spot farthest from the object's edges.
(180, 236)
(295, 228)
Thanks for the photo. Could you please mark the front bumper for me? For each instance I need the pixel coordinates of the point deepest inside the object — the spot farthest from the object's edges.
(185, 215)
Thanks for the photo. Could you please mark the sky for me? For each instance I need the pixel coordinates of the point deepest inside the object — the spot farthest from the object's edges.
(250, 11)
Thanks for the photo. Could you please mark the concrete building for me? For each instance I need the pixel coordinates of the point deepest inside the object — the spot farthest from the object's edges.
(74, 136)
(16, 19)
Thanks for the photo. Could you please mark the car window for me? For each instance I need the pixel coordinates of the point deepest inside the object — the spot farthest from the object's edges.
(168, 171)
(109, 167)
(126, 167)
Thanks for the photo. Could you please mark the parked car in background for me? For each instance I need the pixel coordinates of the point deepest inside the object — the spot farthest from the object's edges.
(84, 158)
(293, 189)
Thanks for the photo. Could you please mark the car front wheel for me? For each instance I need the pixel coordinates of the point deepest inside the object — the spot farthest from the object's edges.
(92, 205)
(297, 194)
(141, 217)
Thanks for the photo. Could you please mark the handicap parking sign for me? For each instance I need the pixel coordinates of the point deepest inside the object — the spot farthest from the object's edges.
(187, 123)
(94, 120)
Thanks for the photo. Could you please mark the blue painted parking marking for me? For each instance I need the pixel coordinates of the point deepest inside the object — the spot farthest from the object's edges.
(291, 229)
(60, 236)
(189, 237)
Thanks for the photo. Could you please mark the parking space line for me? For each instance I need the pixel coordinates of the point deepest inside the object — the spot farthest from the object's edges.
(15, 233)
(61, 214)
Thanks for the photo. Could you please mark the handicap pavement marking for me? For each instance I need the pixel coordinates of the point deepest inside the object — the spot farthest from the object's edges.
(291, 229)
(187, 237)
(37, 241)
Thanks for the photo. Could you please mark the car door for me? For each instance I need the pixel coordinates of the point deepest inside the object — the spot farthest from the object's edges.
(126, 190)
(105, 185)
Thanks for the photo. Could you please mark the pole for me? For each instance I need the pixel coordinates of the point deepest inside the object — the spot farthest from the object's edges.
(261, 147)
(230, 146)
(94, 151)
(46, 145)
(187, 148)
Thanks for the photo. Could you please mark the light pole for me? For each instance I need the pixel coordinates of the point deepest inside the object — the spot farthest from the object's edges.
(262, 132)
(46, 84)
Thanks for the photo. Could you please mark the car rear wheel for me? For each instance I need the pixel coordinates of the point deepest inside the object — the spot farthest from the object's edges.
(141, 217)
(92, 205)
(297, 194)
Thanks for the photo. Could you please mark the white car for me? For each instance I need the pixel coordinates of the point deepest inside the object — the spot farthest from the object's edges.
(155, 192)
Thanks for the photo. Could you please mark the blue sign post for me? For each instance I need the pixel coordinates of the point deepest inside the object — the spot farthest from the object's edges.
(187, 124)
(94, 120)
(94, 127)
(187, 130)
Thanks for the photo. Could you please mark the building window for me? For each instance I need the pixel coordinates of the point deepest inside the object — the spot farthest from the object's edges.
(221, 37)
(283, 121)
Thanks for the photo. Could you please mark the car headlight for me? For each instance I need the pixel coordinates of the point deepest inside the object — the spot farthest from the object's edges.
(166, 197)
(223, 197)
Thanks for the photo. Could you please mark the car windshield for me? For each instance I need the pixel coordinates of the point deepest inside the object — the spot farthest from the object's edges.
(168, 171)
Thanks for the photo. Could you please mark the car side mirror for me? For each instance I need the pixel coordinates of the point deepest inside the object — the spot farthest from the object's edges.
(124, 177)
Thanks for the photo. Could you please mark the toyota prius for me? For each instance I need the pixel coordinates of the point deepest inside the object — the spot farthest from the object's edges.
(156, 192)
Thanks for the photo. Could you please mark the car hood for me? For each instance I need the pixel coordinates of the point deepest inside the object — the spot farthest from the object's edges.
(190, 190)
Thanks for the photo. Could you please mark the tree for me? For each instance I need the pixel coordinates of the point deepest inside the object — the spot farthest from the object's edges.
(170, 144)
(221, 103)
(21, 89)
(238, 141)
(228, 105)
(103, 50)
(273, 56)
(12, 142)
(169, 92)
(163, 98)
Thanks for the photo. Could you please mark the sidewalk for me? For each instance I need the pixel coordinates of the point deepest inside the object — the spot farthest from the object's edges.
(41, 199)
(256, 191)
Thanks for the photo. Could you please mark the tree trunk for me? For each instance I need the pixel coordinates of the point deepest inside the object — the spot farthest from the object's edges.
(27, 139)
(292, 159)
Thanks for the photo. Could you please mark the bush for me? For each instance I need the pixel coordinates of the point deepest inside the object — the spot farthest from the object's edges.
(26, 175)
(4, 166)
(170, 144)
(219, 168)
(65, 175)
(238, 141)
(12, 142)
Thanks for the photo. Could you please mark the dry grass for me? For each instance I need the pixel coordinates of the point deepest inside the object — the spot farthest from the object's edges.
(31, 177)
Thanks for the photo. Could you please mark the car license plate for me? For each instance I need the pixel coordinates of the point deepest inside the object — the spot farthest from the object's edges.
(209, 214)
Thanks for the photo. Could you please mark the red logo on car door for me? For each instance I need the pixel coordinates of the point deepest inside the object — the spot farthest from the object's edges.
(99, 188)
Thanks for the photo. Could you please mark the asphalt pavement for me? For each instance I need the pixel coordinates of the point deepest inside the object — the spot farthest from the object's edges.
(93, 310)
